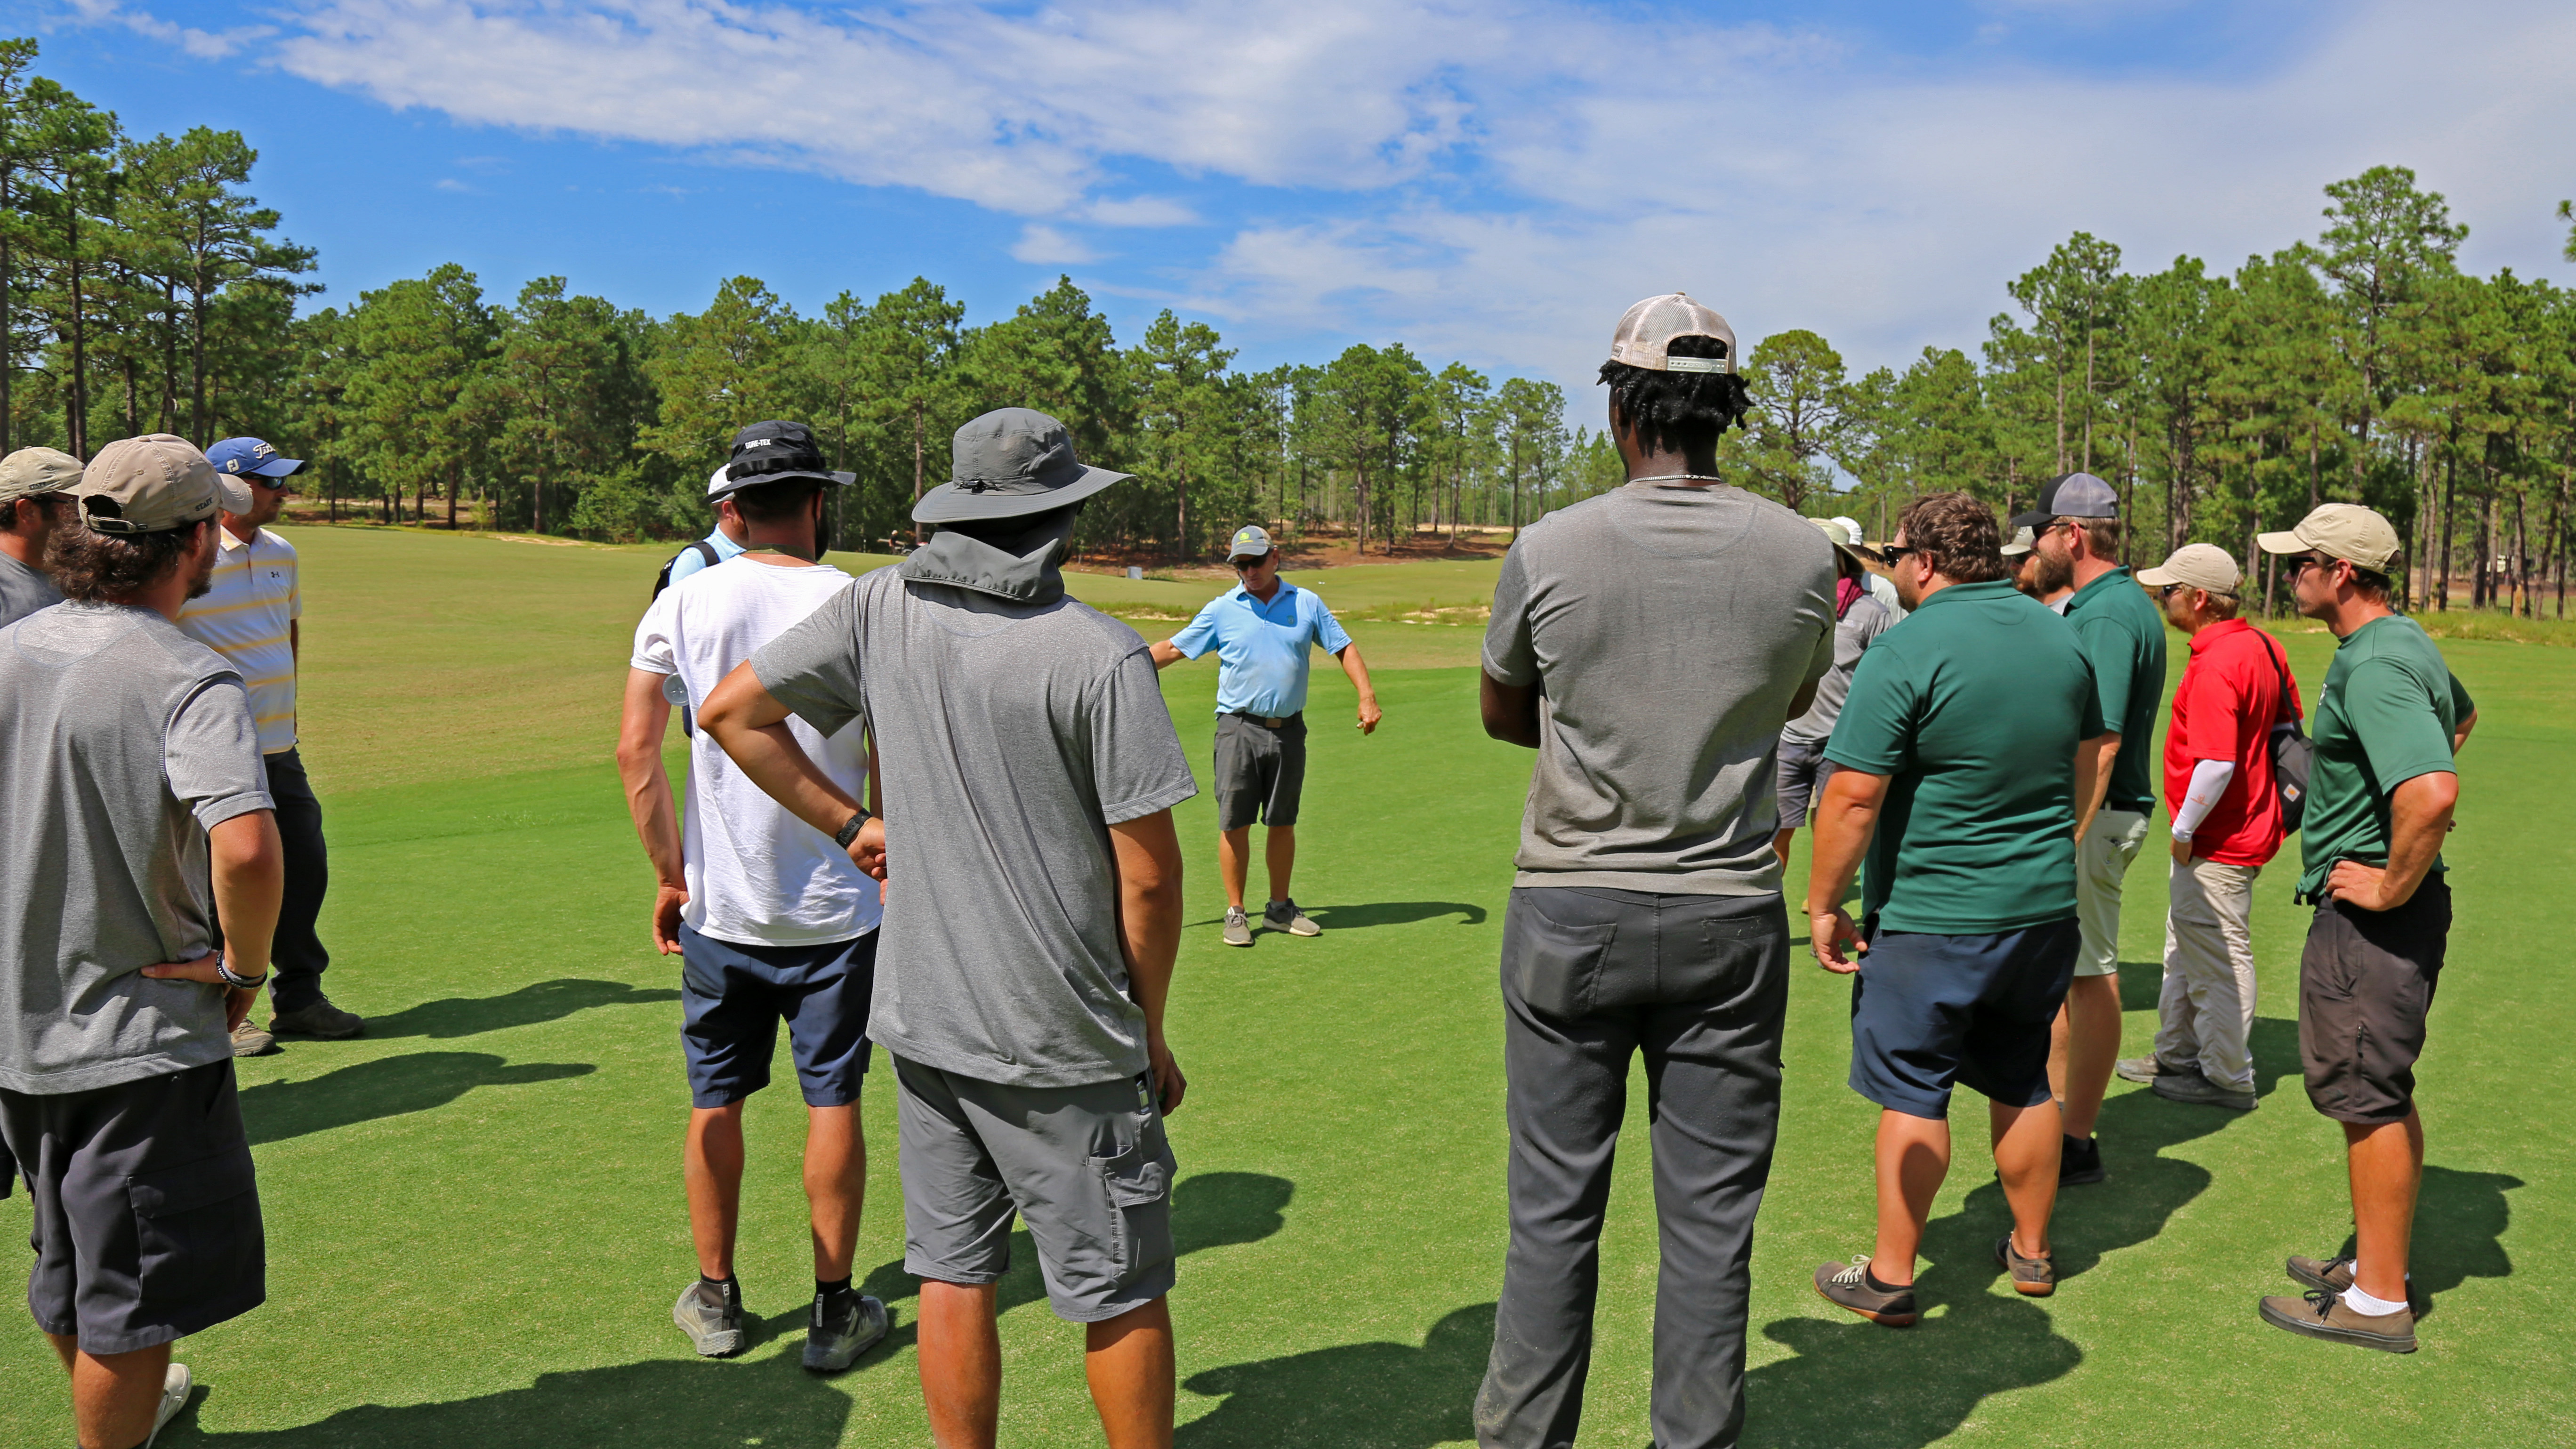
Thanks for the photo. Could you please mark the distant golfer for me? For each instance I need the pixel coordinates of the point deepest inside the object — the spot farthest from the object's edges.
(1262, 632)
(1649, 643)
(1033, 909)
(36, 487)
(2226, 826)
(2381, 791)
(252, 615)
(2076, 541)
(1960, 758)
(1858, 618)
(771, 921)
(137, 806)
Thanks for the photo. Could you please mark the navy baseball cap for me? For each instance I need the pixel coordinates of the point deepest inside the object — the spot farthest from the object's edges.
(235, 456)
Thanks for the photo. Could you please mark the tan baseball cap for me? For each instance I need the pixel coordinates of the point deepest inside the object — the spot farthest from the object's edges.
(2346, 531)
(154, 483)
(1645, 334)
(2022, 542)
(2203, 566)
(35, 472)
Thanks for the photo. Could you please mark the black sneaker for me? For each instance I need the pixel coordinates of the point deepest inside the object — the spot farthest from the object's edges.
(1848, 1286)
(713, 1320)
(840, 1327)
(2080, 1162)
(319, 1018)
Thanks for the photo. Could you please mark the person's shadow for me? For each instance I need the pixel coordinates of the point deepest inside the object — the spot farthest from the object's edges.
(2460, 1220)
(1351, 1396)
(1856, 1385)
(385, 1087)
(539, 1001)
(1394, 913)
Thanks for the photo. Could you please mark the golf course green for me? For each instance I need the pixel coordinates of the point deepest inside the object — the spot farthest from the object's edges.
(474, 1213)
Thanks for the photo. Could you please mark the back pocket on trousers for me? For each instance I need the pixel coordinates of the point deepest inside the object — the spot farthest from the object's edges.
(1555, 967)
(197, 1230)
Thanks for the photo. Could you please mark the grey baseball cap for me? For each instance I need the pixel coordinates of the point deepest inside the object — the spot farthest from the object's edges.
(2070, 495)
(155, 483)
(1009, 463)
(1250, 541)
(35, 472)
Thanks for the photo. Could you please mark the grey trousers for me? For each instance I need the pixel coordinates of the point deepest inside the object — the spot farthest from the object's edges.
(1700, 985)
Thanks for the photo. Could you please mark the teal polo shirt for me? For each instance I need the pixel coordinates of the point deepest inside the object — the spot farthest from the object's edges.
(1261, 648)
(2124, 640)
(2387, 714)
(1971, 706)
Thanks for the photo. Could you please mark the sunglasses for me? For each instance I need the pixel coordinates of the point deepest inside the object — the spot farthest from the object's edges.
(1895, 553)
(2303, 562)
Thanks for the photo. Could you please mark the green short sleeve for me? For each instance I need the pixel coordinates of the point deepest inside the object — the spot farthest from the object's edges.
(2396, 722)
(2461, 705)
(2108, 652)
(1875, 733)
(2093, 723)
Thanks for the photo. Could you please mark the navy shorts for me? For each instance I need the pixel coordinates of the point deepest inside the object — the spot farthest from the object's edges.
(734, 996)
(1929, 1011)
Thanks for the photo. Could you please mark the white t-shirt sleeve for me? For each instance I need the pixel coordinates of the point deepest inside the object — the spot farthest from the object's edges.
(654, 650)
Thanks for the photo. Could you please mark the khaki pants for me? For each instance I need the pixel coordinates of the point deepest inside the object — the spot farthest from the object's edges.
(2207, 1008)
(2102, 860)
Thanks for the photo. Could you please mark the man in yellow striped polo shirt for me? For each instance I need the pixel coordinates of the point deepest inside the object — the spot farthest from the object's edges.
(250, 616)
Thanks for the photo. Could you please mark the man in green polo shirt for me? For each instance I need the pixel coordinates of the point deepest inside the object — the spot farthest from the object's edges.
(2381, 791)
(2076, 541)
(1968, 930)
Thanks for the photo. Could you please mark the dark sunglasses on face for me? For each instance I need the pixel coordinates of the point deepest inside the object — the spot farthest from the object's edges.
(2306, 561)
(1895, 553)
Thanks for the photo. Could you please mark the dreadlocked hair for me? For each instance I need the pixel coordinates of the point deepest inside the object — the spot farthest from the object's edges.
(1677, 411)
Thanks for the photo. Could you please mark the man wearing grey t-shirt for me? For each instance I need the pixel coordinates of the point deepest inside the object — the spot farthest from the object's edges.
(35, 498)
(1649, 643)
(1032, 913)
(136, 807)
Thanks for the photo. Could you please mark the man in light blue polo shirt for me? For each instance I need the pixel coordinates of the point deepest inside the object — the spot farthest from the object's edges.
(1261, 632)
(730, 537)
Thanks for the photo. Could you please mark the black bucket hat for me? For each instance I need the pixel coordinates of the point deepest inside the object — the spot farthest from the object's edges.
(774, 452)
(1011, 462)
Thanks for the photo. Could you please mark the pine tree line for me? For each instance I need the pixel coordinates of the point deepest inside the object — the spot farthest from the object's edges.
(142, 288)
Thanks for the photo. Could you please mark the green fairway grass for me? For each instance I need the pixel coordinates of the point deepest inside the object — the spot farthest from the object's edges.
(475, 1221)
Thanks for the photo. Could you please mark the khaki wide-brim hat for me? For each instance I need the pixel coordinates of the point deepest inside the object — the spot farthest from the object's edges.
(2346, 531)
(1848, 540)
(2203, 566)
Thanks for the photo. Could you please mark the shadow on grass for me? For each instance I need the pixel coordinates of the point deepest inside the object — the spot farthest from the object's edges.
(541, 1001)
(386, 1087)
(1856, 1385)
(2460, 1218)
(771, 1402)
(1351, 1396)
(1394, 913)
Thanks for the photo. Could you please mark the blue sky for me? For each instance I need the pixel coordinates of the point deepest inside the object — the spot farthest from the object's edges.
(1487, 181)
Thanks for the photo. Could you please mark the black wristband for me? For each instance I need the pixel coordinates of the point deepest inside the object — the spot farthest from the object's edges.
(237, 981)
(850, 831)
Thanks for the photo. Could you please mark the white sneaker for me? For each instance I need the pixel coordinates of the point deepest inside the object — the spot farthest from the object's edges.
(176, 1385)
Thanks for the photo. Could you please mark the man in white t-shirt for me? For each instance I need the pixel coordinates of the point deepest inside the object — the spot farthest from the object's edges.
(772, 919)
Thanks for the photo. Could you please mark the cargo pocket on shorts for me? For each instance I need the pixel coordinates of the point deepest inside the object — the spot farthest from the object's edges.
(1556, 968)
(1138, 1184)
(197, 1231)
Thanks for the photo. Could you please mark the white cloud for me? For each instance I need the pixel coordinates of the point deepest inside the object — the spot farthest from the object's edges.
(1498, 181)
(1047, 247)
(198, 44)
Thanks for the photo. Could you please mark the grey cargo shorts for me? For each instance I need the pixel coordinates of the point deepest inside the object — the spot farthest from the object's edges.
(1260, 771)
(1088, 1168)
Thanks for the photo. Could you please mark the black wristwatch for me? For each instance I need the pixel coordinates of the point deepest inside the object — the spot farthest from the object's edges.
(850, 831)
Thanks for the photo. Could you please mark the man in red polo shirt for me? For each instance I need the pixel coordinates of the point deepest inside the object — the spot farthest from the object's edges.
(2226, 825)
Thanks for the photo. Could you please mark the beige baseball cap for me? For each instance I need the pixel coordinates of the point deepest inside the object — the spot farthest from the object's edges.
(2203, 566)
(2022, 542)
(35, 472)
(155, 483)
(2339, 530)
(1645, 334)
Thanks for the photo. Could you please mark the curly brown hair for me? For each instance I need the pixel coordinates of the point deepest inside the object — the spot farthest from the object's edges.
(95, 568)
(1957, 536)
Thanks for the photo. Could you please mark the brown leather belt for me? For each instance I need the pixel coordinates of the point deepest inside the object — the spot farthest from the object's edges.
(1266, 722)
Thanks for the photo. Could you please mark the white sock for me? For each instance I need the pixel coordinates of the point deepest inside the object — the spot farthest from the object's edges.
(2362, 1303)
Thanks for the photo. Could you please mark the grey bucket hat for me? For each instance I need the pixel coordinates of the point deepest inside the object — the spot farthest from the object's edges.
(1011, 462)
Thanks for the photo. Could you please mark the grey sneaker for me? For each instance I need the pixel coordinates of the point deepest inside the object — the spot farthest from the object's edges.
(2142, 1070)
(1284, 916)
(2335, 1275)
(176, 1385)
(2324, 1314)
(2032, 1277)
(1238, 927)
(714, 1324)
(1848, 1287)
(250, 1041)
(833, 1342)
(321, 1019)
(2200, 1091)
